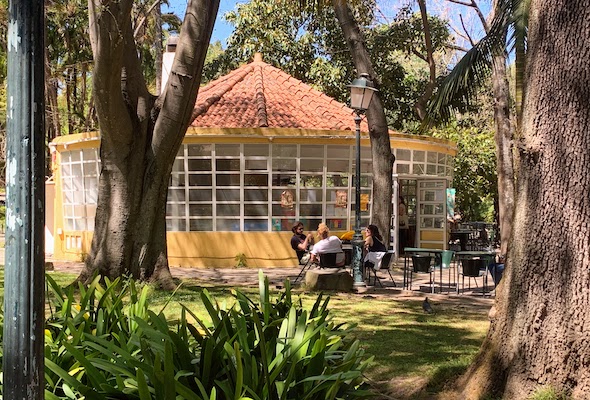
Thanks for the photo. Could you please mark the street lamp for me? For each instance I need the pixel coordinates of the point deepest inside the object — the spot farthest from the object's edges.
(361, 93)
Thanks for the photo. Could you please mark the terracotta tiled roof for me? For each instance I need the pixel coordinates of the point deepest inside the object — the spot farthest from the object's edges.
(258, 95)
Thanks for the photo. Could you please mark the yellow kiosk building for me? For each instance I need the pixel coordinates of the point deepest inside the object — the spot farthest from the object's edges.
(264, 150)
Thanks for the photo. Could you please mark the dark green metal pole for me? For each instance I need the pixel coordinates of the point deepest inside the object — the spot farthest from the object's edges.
(23, 365)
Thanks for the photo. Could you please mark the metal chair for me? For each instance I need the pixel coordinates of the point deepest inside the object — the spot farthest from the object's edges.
(422, 263)
(306, 263)
(384, 263)
(328, 260)
(471, 268)
(446, 259)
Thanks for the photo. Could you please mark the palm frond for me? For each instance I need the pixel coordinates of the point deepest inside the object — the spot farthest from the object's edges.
(508, 31)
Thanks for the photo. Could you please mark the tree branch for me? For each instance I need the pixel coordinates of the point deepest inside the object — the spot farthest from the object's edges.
(466, 31)
(144, 18)
(420, 105)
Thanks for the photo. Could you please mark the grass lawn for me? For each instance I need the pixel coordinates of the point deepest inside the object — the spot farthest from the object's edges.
(412, 350)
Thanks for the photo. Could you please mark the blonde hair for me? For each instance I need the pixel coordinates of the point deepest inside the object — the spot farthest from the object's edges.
(323, 230)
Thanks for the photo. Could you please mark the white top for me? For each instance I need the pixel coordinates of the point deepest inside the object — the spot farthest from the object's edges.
(329, 245)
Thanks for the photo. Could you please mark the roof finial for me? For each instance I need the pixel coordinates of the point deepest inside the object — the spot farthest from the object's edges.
(257, 57)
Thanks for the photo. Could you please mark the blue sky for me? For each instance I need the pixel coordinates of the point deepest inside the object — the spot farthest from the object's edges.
(221, 30)
(387, 9)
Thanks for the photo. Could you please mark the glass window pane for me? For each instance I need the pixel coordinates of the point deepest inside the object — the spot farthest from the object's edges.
(284, 179)
(89, 154)
(403, 154)
(310, 210)
(430, 169)
(77, 170)
(338, 166)
(91, 196)
(200, 195)
(200, 210)
(231, 225)
(284, 165)
(175, 225)
(284, 150)
(227, 165)
(365, 153)
(402, 168)
(338, 151)
(312, 165)
(427, 222)
(259, 165)
(432, 157)
(255, 195)
(199, 165)
(259, 225)
(316, 150)
(419, 155)
(200, 180)
(178, 165)
(222, 150)
(199, 149)
(228, 210)
(418, 169)
(228, 194)
(255, 210)
(75, 155)
(255, 180)
(311, 180)
(177, 180)
(258, 149)
(201, 225)
(442, 158)
(337, 181)
(311, 195)
(439, 223)
(227, 180)
(176, 194)
(175, 210)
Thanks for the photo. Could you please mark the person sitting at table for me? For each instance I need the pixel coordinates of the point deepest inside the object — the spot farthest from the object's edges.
(374, 240)
(301, 243)
(374, 247)
(327, 244)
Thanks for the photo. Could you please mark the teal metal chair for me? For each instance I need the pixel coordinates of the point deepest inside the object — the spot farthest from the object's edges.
(446, 261)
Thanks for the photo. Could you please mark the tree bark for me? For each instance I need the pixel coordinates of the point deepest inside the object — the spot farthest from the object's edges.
(539, 333)
(378, 131)
(505, 161)
(422, 103)
(140, 137)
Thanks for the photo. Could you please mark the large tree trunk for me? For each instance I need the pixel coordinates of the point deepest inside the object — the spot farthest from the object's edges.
(539, 332)
(140, 137)
(379, 133)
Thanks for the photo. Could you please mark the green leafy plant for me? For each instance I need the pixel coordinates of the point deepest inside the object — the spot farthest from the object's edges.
(103, 342)
(241, 260)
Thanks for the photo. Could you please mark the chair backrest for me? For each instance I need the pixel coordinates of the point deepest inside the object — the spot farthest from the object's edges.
(472, 267)
(385, 261)
(446, 258)
(328, 260)
(421, 262)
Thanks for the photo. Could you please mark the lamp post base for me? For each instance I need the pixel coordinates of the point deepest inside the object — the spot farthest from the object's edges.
(357, 254)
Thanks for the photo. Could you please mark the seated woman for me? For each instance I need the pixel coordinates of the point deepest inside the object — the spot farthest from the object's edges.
(301, 243)
(374, 246)
(374, 240)
(327, 244)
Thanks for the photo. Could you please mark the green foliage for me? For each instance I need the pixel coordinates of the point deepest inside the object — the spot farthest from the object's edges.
(241, 260)
(475, 170)
(549, 393)
(102, 342)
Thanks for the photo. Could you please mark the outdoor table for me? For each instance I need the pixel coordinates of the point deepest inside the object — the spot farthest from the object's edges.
(490, 255)
(437, 253)
(463, 236)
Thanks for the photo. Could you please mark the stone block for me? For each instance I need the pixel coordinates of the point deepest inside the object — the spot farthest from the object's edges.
(328, 279)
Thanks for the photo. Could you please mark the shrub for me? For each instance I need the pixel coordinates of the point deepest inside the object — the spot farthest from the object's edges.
(104, 343)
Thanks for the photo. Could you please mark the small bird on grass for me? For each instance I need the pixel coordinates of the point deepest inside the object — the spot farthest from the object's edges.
(426, 306)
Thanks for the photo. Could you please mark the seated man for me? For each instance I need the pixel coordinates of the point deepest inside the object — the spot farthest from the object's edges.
(301, 243)
(327, 244)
